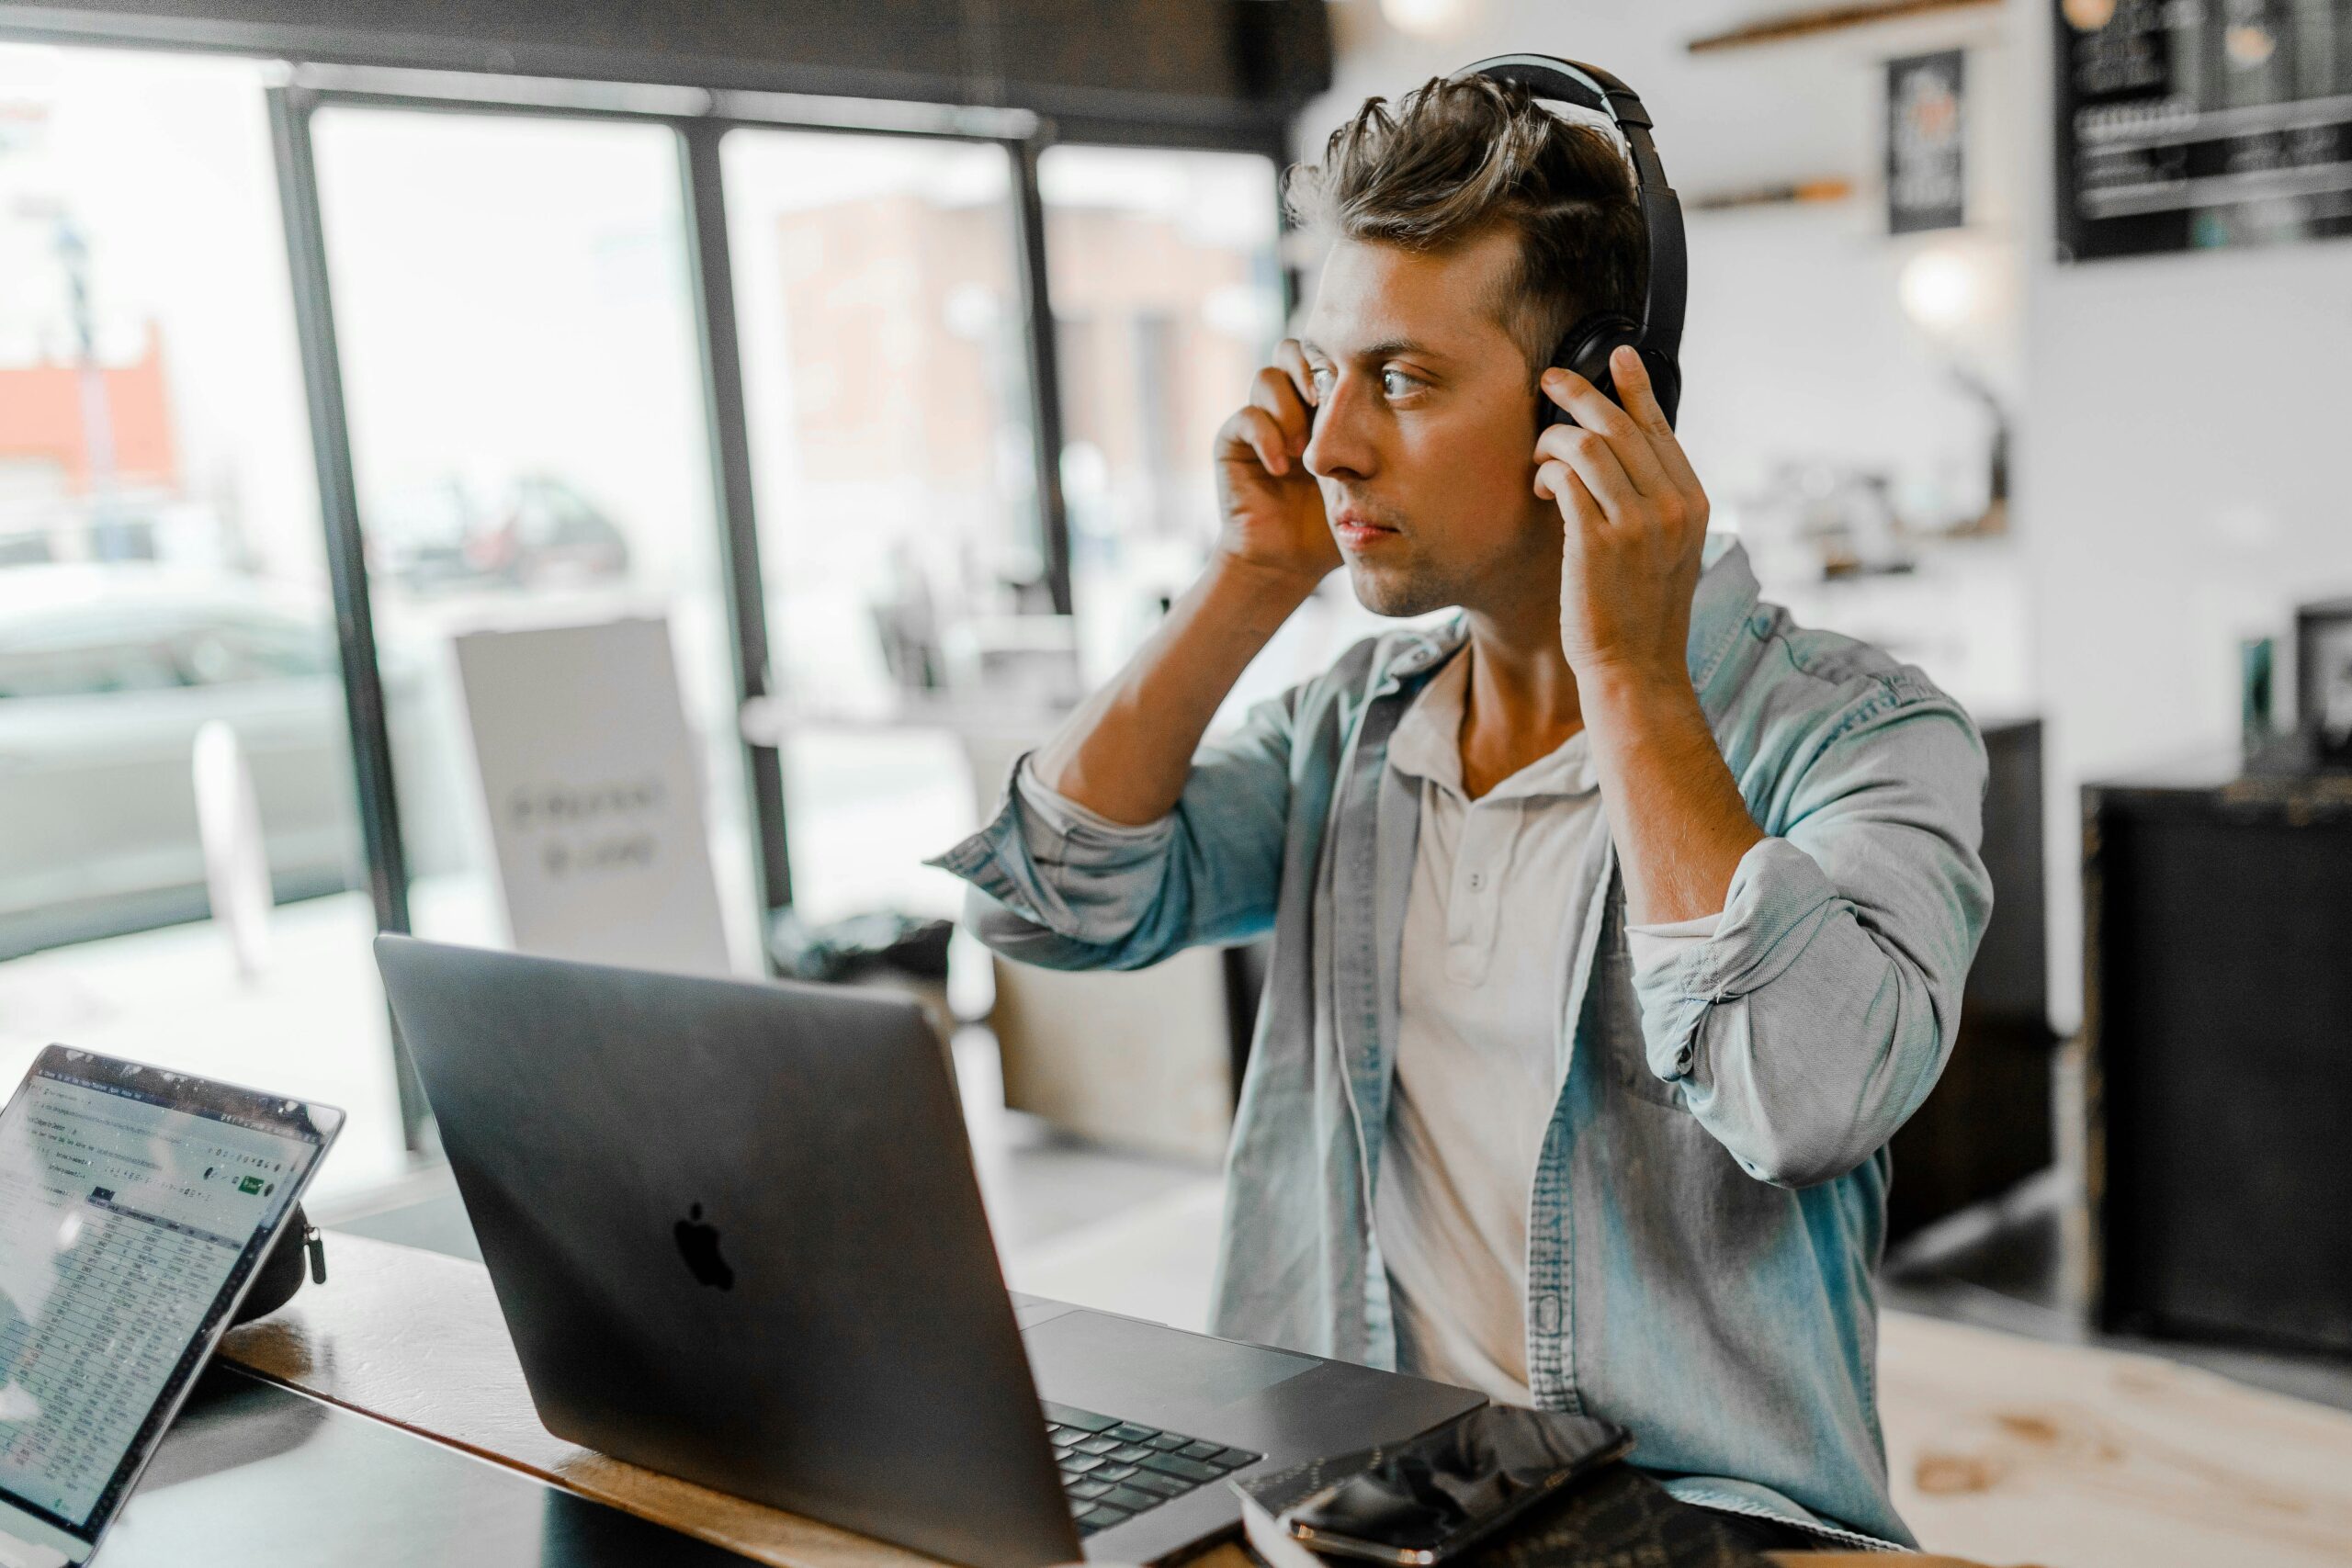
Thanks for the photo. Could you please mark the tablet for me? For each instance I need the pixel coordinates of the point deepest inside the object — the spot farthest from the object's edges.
(135, 1205)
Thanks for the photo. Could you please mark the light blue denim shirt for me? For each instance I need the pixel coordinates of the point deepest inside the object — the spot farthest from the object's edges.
(1710, 1202)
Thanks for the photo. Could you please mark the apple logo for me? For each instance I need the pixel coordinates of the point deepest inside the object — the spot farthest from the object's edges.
(699, 1245)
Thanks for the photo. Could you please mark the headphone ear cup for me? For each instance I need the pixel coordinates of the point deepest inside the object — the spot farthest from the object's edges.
(1666, 383)
(1585, 351)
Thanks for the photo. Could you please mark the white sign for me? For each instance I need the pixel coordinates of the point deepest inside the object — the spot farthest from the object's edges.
(594, 801)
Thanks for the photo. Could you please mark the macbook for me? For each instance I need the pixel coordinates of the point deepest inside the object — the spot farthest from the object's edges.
(736, 1235)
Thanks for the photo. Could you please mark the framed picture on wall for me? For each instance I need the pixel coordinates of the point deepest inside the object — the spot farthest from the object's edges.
(2324, 678)
(2200, 124)
(1927, 177)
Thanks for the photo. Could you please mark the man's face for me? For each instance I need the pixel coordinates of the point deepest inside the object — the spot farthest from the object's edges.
(1425, 429)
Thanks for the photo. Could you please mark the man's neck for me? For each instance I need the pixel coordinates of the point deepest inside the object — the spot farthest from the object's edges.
(1521, 702)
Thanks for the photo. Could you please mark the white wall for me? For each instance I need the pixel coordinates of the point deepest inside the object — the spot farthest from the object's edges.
(2180, 478)
(2186, 483)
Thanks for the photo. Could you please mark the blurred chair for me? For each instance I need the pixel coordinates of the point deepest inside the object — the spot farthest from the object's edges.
(1142, 1059)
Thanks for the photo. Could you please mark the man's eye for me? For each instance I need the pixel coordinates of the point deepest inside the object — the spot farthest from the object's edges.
(1396, 384)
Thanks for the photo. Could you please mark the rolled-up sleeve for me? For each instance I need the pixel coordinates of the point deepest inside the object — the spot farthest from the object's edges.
(1819, 1013)
(1054, 883)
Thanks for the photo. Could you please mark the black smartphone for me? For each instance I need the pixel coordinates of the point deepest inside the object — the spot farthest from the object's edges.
(1450, 1488)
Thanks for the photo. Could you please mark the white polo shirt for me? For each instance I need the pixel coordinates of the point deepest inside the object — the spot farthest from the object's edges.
(1499, 888)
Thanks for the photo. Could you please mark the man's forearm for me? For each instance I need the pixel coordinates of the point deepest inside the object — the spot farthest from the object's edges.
(1125, 752)
(1674, 810)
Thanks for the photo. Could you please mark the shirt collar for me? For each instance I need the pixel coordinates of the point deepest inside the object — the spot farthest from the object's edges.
(1727, 596)
(1427, 744)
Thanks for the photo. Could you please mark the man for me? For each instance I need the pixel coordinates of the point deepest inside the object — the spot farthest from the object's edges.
(1617, 924)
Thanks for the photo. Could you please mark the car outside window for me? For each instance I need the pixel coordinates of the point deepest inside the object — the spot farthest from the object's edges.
(224, 653)
(85, 665)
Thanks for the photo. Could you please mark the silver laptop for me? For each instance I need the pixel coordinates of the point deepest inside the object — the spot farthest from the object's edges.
(735, 1232)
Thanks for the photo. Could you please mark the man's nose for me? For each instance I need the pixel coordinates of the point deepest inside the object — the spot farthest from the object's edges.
(1339, 445)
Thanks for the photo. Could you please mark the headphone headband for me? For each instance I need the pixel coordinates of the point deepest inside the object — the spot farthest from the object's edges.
(1590, 87)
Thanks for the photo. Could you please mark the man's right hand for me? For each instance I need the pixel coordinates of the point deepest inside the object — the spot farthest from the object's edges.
(1271, 507)
(1127, 751)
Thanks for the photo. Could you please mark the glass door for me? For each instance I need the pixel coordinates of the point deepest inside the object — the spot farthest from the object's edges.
(887, 390)
(528, 438)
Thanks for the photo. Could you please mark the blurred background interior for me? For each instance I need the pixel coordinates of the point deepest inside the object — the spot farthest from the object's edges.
(870, 353)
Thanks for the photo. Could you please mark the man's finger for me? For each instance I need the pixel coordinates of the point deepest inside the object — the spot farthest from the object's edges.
(1594, 461)
(1272, 390)
(1290, 359)
(1252, 429)
(1558, 483)
(1640, 393)
(1628, 456)
(1624, 435)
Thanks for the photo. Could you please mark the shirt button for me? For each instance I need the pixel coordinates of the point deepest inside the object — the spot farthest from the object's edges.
(1478, 881)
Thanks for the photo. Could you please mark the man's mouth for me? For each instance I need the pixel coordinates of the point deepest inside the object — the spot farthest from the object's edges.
(1356, 531)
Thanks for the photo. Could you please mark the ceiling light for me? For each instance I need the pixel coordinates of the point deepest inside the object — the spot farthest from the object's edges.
(1940, 291)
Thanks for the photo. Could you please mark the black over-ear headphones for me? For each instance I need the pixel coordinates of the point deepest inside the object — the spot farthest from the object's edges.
(1658, 336)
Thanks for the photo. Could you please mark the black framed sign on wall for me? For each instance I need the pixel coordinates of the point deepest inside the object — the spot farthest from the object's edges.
(2199, 124)
(1927, 177)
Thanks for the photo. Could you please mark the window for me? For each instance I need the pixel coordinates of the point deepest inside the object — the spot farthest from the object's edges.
(162, 570)
(1167, 299)
(528, 442)
(528, 428)
(888, 395)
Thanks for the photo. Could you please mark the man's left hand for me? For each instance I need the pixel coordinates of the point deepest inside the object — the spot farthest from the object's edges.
(1636, 522)
(1636, 526)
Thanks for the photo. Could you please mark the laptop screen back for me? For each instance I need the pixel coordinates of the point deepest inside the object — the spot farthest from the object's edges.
(135, 1206)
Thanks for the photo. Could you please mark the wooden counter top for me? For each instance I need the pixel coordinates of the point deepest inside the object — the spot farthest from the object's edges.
(2014, 1450)
(415, 1339)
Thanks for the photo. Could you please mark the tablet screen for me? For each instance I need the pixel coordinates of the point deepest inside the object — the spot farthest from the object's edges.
(135, 1206)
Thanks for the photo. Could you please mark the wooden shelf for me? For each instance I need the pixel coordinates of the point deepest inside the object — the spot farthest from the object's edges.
(1824, 19)
(1826, 188)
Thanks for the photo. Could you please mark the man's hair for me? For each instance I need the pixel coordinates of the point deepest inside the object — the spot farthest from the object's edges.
(1457, 158)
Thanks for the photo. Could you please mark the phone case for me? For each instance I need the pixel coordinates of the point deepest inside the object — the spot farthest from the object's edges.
(1431, 1498)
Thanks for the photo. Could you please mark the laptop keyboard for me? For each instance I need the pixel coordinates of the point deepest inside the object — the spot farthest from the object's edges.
(1114, 1469)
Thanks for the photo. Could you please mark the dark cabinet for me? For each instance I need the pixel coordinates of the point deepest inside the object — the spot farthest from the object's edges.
(2218, 1024)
